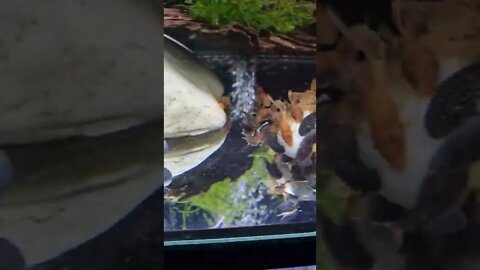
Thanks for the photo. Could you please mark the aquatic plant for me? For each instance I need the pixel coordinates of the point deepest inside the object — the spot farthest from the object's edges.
(332, 199)
(226, 200)
(281, 16)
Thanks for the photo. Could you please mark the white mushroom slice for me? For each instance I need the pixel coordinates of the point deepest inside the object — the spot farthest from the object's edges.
(77, 68)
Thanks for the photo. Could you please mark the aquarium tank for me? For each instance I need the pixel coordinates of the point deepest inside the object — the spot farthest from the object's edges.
(239, 121)
(390, 181)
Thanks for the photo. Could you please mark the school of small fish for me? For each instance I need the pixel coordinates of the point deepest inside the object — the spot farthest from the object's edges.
(289, 129)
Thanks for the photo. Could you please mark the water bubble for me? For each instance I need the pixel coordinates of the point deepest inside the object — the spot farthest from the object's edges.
(243, 89)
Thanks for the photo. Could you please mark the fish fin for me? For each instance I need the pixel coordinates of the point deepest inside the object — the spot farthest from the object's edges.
(305, 163)
(272, 141)
(305, 150)
(287, 214)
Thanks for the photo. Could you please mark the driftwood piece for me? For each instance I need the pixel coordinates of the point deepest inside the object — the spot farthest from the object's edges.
(235, 38)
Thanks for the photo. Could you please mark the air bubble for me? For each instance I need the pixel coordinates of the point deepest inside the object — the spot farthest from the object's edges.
(243, 90)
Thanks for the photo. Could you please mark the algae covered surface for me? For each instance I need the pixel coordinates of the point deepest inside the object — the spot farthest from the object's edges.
(281, 16)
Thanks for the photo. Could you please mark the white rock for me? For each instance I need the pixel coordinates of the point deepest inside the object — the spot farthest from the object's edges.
(67, 193)
(192, 91)
(77, 67)
(179, 162)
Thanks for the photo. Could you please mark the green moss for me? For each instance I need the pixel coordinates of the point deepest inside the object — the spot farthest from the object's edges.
(281, 16)
(224, 199)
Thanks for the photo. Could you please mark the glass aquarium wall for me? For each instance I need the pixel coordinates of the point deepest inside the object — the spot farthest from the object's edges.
(240, 115)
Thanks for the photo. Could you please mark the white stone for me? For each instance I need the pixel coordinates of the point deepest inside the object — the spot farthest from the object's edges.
(192, 93)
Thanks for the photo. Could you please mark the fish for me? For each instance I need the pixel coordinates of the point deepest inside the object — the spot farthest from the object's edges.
(448, 180)
(457, 100)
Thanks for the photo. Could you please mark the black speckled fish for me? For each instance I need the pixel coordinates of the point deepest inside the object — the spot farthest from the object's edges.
(448, 177)
(308, 123)
(305, 150)
(457, 99)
